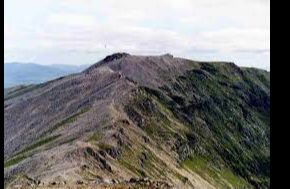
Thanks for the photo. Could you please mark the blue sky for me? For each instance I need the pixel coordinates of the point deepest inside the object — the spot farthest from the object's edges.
(84, 31)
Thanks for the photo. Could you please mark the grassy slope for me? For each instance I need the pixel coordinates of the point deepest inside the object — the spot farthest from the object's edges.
(13, 92)
(216, 118)
(226, 110)
(17, 158)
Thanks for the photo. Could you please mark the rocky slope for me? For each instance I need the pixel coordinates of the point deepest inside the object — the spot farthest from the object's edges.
(143, 122)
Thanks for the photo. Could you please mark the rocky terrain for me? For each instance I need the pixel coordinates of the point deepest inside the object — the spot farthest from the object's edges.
(141, 122)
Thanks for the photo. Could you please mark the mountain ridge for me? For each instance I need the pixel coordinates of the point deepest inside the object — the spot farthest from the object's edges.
(190, 124)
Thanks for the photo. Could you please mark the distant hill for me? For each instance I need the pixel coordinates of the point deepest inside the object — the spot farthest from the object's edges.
(30, 73)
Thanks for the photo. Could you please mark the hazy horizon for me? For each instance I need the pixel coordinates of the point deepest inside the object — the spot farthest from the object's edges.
(80, 32)
(90, 64)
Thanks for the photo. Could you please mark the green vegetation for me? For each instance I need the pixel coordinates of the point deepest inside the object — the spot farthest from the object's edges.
(181, 178)
(68, 141)
(39, 143)
(20, 156)
(132, 168)
(14, 161)
(68, 120)
(71, 119)
(142, 162)
(88, 175)
(155, 115)
(13, 92)
(129, 160)
(226, 112)
(104, 146)
(223, 178)
(215, 118)
(96, 137)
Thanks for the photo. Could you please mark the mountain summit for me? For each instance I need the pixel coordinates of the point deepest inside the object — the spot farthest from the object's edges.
(143, 122)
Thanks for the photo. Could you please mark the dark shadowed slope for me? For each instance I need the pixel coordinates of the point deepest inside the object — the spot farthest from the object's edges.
(185, 123)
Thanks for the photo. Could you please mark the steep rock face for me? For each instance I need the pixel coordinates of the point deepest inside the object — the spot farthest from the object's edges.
(190, 124)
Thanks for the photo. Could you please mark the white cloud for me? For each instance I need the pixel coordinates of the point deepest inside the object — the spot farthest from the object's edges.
(69, 19)
(224, 29)
(6, 29)
(236, 40)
